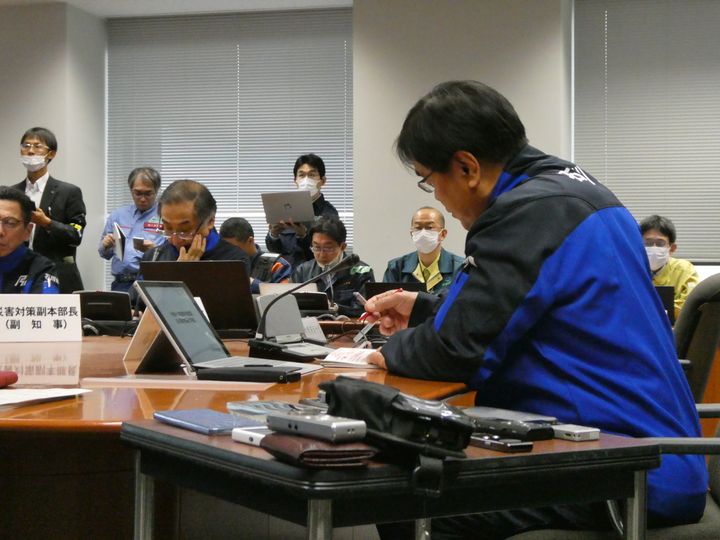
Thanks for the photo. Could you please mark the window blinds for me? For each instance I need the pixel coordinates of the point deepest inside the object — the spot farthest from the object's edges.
(647, 110)
(232, 100)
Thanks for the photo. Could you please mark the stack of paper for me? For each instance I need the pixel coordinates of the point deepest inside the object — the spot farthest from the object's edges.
(349, 358)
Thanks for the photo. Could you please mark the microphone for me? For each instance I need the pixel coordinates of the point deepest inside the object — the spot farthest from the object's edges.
(263, 348)
(7, 378)
(352, 260)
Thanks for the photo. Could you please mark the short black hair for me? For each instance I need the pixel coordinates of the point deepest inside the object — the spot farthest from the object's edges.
(659, 223)
(189, 190)
(331, 226)
(148, 174)
(26, 204)
(460, 116)
(237, 228)
(44, 134)
(313, 160)
(439, 213)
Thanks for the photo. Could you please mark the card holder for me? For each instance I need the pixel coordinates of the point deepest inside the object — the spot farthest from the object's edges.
(316, 454)
(276, 374)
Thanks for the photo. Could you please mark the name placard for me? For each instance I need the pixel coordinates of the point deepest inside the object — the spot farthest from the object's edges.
(40, 317)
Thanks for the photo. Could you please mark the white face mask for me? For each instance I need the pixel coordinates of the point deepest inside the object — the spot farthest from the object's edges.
(658, 256)
(33, 163)
(425, 240)
(308, 184)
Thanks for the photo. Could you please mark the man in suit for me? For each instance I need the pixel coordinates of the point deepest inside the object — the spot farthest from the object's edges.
(59, 217)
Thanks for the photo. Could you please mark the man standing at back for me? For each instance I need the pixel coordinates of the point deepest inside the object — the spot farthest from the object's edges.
(59, 217)
(291, 240)
(137, 220)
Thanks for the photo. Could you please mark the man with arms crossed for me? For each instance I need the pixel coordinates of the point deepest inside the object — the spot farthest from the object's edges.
(554, 311)
(21, 269)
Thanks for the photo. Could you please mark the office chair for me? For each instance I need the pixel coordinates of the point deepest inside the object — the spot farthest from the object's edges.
(697, 333)
(708, 528)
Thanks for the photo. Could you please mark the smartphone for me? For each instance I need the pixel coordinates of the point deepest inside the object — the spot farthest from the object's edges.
(318, 426)
(138, 243)
(573, 432)
(250, 435)
(205, 421)
(495, 442)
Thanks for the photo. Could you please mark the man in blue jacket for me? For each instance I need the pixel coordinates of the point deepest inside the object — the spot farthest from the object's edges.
(21, 269)
(554, 312)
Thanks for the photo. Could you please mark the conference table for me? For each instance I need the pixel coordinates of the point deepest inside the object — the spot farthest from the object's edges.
(64, 471)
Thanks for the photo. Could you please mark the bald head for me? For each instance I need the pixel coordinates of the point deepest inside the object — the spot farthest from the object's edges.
(427, 217)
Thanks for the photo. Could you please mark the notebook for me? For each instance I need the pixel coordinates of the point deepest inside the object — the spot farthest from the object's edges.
(190, 334)
(223, 286)
(667, 297)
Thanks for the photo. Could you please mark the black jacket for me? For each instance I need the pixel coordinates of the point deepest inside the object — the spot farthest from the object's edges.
(297, 250)
(341, 286)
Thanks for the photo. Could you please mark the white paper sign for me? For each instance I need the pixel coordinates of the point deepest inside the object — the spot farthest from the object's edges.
(40, 317)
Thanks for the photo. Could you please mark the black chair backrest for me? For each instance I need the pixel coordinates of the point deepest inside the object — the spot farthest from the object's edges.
(697, 332)
(714, 469)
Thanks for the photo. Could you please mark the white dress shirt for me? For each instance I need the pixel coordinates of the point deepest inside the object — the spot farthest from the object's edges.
(35, 192)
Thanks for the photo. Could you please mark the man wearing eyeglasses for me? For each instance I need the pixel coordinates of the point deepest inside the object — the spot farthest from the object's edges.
(140, 224)
(21, 269)
(187, 212)
(553, 313)
(291, 240)
(328, 245)
(59, 217)
(430, 264)
(659, 237)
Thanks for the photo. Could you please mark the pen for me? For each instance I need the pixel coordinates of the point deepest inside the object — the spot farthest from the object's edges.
(360, 298)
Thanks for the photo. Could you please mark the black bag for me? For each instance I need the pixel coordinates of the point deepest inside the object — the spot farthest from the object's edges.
(403, 427)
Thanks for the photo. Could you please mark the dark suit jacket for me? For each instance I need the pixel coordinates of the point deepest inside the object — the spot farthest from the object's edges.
(63, 204)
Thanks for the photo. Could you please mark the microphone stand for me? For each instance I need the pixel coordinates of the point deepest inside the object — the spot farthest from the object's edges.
(262, 344)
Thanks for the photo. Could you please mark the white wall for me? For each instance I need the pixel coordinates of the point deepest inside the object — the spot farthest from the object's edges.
(53, 75)
(401, 49)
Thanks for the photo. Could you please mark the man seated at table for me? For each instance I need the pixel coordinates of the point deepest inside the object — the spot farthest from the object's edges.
(553, 313)
(659, 236)
(430, 264)
(187, 212)
(21, 269)
(328, 245)
(264, 267)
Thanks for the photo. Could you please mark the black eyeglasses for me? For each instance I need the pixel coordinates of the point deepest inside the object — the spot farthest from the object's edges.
(422, 183)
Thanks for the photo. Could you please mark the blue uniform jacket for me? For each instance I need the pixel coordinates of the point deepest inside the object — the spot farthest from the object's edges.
(24, 271)
(556, 314)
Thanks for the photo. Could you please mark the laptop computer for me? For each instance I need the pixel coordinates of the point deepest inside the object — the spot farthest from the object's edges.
(377, 287)
(189, 333)
(667, 297)
(293, 205)
(223, 286)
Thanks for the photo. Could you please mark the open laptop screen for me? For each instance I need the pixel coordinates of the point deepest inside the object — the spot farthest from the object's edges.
(181, 318)
(223, 286)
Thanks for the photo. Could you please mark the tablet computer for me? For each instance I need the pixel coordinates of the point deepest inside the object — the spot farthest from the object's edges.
(293, 206)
